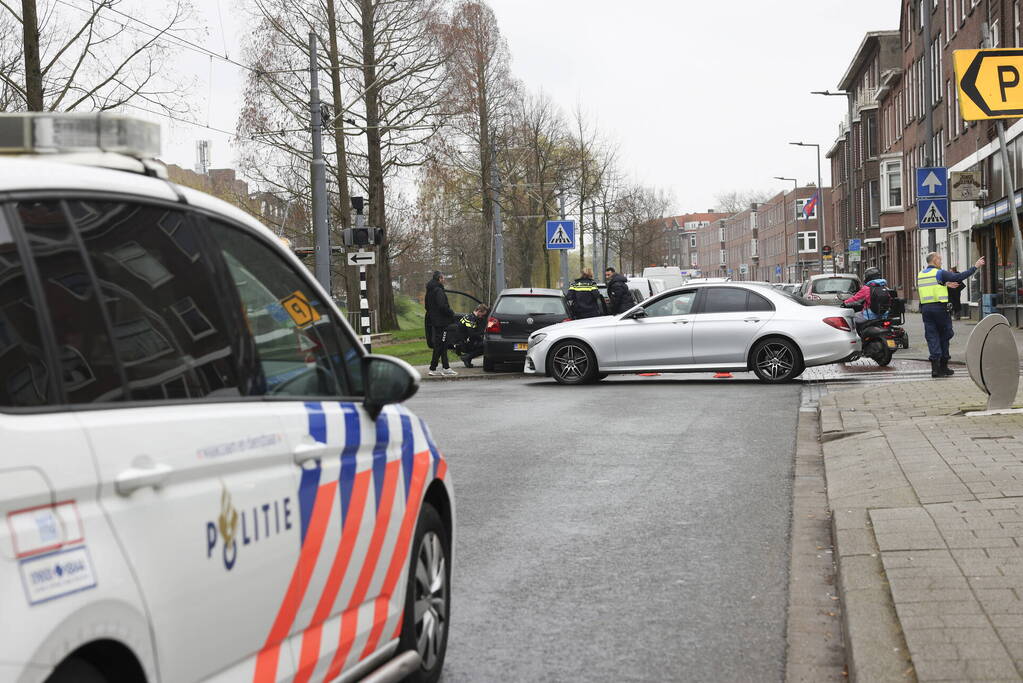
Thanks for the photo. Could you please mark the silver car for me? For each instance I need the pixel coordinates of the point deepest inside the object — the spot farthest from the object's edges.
(699, 328)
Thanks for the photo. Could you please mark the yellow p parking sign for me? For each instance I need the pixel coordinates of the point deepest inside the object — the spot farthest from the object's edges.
(990, 83)
(299, 309)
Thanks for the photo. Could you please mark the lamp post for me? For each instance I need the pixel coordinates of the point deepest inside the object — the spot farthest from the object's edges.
(785, 228)
(848, 191)
(820, 199)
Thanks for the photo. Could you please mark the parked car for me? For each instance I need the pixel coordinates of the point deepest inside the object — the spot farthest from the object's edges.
(517, 313)
(699, 328)
(830, 288)
(204, 472)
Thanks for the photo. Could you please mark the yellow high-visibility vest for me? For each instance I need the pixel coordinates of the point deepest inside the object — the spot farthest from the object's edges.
(930, 290)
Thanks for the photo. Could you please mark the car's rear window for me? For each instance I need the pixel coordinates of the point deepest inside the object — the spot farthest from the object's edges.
(835, 285)
(526, 304)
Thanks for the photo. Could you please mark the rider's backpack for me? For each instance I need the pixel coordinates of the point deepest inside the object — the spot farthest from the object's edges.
(880, 300)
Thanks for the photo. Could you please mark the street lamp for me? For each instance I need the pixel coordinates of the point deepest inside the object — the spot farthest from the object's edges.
(847, 190)
(820, 198)
(795, 183)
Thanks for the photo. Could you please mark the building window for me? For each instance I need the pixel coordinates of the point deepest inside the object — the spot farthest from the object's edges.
(874, 195)
(995, 37)
(871, 135)
(692, 241)
(803, 212)
(891, 180)
(724, 257)
(806, 242)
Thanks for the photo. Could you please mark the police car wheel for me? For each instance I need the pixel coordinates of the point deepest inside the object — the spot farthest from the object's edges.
(428, 597)
(573, 363)
(76, 670)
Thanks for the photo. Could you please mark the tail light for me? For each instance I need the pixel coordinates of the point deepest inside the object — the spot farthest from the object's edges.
(839, 323)
(567, 320)
(886, 323)
(493, 324)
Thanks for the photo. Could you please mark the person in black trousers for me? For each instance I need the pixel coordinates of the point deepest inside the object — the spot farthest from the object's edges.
(438, 316)
(955, 298)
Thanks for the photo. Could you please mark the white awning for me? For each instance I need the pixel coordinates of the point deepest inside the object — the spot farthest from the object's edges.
(898, 228)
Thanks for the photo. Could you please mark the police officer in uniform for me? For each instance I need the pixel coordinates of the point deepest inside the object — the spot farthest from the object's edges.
(932, 285)
(584, 300)
(471, 327)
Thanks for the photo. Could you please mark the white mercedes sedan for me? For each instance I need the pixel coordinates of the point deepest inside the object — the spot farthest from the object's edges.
(712, 327)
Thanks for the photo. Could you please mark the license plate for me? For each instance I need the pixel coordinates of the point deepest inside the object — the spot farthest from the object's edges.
(521, 347)
(891, 343)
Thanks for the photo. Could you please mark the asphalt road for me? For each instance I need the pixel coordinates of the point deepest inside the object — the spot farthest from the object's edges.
(637, 529)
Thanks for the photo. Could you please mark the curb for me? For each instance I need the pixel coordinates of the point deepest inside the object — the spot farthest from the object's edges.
(874, 643)
(476, 376)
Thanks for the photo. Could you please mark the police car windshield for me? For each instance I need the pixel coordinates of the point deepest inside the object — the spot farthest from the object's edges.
(530, 305)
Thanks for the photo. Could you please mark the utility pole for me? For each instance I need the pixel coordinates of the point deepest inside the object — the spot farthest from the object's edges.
(33, 72)
(495, 183)
(926, 7)
(598, 253)
(564, 252)
(318, 172)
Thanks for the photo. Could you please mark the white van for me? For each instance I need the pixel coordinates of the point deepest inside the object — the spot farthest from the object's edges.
(671, 276)
(643, 287)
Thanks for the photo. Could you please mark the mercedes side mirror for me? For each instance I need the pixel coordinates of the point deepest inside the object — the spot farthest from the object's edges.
(387, 380)
(636, 314)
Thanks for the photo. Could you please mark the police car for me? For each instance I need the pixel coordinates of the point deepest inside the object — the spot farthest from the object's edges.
(203, 474)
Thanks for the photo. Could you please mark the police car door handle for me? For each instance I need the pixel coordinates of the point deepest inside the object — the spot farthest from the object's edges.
(141, 475)
(311, 450)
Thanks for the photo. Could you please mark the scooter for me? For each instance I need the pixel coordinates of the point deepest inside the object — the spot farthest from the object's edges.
(882, 337)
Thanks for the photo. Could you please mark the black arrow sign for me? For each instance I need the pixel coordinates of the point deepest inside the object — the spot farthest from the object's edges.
(969, 82)
(357, 258)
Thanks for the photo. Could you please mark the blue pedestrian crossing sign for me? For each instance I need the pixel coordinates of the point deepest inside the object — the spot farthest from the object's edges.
(561, 234)
(932, 214)
(931, 182)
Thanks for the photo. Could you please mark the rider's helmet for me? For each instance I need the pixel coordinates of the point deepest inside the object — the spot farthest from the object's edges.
(871, 274)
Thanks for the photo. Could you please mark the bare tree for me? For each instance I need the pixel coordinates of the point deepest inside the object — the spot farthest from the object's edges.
(736, 201)
(479, 88)
(384, 86)
(96, 56)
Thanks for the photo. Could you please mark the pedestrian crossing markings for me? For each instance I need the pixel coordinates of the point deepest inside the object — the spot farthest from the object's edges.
(933, 216)
(560, 237)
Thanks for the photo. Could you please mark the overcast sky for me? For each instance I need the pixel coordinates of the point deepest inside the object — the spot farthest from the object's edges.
(702, 97)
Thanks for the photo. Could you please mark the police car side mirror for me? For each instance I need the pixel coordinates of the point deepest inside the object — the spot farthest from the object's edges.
(387, 380)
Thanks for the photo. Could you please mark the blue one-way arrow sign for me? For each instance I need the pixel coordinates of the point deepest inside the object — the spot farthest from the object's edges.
(561, 234)
(932, 182)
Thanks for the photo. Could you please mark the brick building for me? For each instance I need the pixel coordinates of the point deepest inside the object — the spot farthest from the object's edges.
(679, 238)
(863, 209)
(775, 241)
(976, 228)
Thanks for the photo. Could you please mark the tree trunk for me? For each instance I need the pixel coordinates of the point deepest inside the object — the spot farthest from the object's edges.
(342, 213)
(33, 72)
(386, 316)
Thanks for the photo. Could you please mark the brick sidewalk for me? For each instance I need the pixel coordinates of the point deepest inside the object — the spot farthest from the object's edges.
(927, 511)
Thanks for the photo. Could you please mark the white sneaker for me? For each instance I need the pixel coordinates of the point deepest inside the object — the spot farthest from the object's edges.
(448, 372)
(435, 373)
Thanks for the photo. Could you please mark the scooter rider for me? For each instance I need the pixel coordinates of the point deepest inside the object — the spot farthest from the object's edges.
(871, 278)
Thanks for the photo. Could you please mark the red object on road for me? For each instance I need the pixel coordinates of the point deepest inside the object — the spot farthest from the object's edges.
(722, 375)
(648, 374)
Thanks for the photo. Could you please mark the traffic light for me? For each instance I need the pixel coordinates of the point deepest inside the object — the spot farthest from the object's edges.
(361, 237)
(826, 250)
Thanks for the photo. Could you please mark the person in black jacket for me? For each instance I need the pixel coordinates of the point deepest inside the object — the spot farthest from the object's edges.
(584, 300)
(438, 316)
(618, 292)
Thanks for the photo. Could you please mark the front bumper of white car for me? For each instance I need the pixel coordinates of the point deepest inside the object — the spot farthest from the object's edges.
(536, 355)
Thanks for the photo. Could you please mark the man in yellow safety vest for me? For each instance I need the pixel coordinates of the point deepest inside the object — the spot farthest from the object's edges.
(932, 284)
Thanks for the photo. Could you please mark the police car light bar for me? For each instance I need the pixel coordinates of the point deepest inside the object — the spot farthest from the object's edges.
(34, 133)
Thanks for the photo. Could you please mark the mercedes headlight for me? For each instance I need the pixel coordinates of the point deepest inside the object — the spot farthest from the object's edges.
(536, 339)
